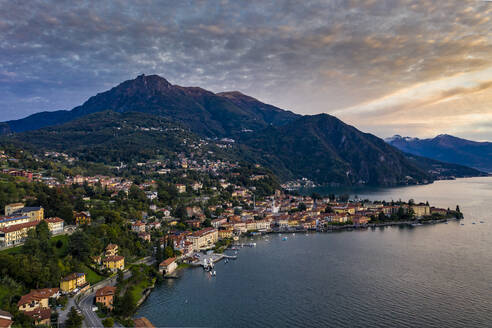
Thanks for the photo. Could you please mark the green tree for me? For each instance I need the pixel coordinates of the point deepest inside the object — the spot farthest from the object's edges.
(108, 322)
(74, 320)
(168, 252)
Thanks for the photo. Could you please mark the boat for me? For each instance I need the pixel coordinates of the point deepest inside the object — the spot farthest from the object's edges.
(416, 224)
(284, 239)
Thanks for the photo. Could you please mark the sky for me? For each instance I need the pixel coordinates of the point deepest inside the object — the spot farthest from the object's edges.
(414, 68)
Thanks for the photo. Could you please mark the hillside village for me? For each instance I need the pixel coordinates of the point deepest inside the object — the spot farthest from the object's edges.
(126, 227)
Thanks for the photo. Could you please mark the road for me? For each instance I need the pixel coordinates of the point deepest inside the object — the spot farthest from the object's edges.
(87, 300)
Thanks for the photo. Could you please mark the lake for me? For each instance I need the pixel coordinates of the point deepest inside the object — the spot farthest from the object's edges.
(427, 276)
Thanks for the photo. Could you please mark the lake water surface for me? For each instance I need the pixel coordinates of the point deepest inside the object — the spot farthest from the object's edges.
(428, 276)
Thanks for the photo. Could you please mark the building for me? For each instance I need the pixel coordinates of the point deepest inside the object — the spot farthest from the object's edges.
(114, 263)
(168, 266)
(151, 195)
(41, 316)
(181, 188)
(16, 234)
(82, 218)
(111, 250)
(37, 298)
(105, 296)
(360, 219)
(72, 281)
(226, 233)
(262, 225)
(12, 208)
(6, 319)
(6, 221)
(421, 210)
(203, 239)
(33, 213)
(144, 235)
(138, 226)
(55, 225)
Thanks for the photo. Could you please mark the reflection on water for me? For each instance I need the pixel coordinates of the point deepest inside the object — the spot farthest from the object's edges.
(427, 276)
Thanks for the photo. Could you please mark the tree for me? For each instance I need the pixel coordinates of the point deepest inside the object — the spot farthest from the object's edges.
(168, 252)
(458, 209)
(120, 277)
(108, 322)
(381, 216)
(301, 207)
(74, 320)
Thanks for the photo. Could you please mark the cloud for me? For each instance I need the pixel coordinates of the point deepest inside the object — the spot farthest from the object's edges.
(311, 57)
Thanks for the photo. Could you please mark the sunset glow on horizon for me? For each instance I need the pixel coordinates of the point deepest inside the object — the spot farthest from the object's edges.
(416, 68)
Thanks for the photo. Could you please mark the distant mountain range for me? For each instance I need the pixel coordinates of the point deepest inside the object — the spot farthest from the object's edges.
(107, 128)
(449, 149)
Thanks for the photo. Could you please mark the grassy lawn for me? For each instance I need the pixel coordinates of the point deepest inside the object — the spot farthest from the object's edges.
(92, 276)
(63, 250)
(60, 252)
(12, 251)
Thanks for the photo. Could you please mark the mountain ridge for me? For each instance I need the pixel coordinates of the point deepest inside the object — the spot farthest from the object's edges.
(205, 112)
(448, 148)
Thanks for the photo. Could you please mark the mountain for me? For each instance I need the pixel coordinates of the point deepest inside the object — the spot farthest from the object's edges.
(324, 149)
(449, 149)
(110, 137)
(204, 112)
(148, 117)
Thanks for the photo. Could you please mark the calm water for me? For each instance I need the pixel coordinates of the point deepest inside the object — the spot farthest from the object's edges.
(428, 276)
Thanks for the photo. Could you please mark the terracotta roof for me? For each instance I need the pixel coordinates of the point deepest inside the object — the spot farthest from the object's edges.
(39, 314)
(106, 291)
(19, 226)
(73, 276)
(113, 258)
(37, 295)
(54, 220)
(111, 246)
(5, 322)
(203, 232)
(138, 223)
(168, 261)
(143, 323)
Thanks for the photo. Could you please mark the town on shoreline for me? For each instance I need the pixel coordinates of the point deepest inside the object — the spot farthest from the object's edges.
(88, 249)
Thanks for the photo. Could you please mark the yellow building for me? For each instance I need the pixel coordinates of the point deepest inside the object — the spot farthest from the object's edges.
(421, 210)
(205, 238)
(12, 208)
(111, 250)
(37, 298)
(114, 263)
(227, 233)
(15, 234)
(33, 213)
(72, 281)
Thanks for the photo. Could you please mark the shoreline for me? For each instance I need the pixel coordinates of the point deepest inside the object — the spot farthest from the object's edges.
(149, 290)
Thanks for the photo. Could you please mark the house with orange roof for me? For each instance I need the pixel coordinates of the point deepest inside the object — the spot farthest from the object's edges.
(105, 296)
(168, 266)
(41, 316)
(111, 250)
(55, 225)
(37, 298)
